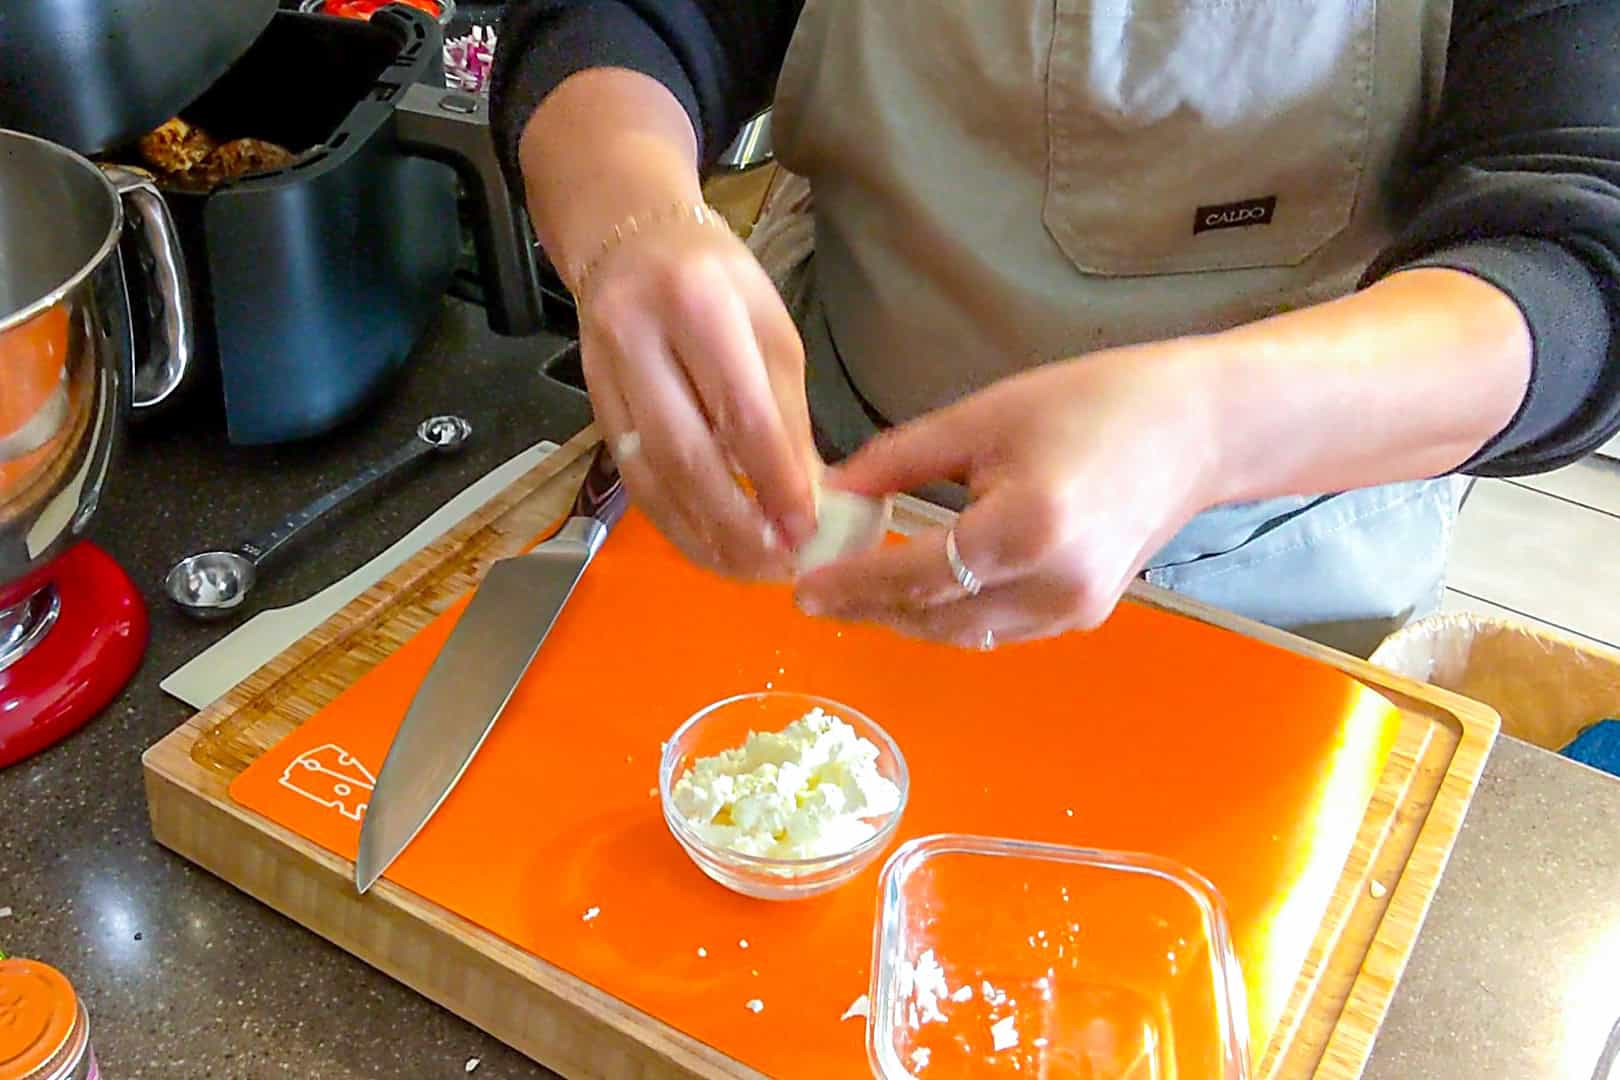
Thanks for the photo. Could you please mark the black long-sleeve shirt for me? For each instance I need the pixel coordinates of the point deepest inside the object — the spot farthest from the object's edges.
(1517, 180)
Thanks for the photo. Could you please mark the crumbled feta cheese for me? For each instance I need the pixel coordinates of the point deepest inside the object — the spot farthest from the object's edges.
(963, 993)
(861, 1006)
(1004, 1033)
(742, 943)
(929, 980)
(806, 791)
(919, 1058)
(924, 983)
(755, 1006)
(1378, 890)
(702, 952)
(590, 913)
(1039, 1040)
(1068, 813)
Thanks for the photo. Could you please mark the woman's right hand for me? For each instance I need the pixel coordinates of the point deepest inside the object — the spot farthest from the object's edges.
(688, 349)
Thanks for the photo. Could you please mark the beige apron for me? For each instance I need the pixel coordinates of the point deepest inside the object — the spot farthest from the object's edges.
(1005, 183)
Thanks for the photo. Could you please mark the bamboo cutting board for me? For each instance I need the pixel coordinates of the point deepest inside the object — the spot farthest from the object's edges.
(582, 999)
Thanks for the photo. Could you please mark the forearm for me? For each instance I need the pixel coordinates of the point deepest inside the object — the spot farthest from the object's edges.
(1403, 380)
(606, 144)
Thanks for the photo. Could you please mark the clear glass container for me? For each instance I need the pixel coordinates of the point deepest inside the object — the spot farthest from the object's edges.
(726, 724)
(1004, 958)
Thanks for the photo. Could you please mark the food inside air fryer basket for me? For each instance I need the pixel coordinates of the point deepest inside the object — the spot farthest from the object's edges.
(185, 156)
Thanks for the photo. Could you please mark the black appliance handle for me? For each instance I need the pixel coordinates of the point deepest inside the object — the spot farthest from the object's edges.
(453, 127)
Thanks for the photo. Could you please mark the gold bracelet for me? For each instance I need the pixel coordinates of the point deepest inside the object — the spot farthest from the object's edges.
(696, 213)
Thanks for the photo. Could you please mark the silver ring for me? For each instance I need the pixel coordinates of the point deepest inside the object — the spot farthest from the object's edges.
(964, 577)
(989, 641)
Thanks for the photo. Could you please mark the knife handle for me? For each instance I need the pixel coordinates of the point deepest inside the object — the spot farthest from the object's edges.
(602, 496)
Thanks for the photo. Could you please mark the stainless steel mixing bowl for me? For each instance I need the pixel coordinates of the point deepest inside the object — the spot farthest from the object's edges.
(67, 364)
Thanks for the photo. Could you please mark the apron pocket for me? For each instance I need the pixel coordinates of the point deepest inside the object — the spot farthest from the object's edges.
(1199, 135)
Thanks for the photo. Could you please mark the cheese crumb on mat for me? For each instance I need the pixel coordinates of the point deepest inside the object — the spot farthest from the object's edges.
(1004, 1033)
(742, 943)
(963, 993)
(1378, 890)
(755, 1006)
(472, 1063)
(702, 951)
(590, 913)
(861, 1006)
(919, 1058)
(807, 791)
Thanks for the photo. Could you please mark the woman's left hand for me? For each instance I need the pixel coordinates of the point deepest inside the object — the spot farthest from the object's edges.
(1079, 471)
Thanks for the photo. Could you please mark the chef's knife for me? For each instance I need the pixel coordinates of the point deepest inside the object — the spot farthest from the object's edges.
(473, 678)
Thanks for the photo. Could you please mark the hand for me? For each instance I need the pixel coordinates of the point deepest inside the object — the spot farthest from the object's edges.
(1079, 472)
(685, 343)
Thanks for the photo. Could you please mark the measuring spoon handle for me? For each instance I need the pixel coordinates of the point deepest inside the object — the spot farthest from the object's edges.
(439, 434)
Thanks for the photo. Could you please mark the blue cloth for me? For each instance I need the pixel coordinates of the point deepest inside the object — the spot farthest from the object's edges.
(1598, 746)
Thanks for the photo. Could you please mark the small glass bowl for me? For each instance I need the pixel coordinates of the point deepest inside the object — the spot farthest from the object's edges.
(996, 957)
(447, 9)
(725, 725)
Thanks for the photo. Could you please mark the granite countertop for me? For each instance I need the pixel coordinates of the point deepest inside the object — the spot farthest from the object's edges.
(1517, 973)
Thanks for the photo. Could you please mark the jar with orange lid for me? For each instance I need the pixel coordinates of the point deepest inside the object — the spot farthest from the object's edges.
(44, 1030)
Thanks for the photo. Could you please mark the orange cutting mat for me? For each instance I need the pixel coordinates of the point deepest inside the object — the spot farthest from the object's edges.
(1247, 762)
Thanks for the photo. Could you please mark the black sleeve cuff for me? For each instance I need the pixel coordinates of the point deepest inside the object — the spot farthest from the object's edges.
(540, 48)
(1568, 317)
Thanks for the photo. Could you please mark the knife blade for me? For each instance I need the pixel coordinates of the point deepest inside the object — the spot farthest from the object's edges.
(475, 674)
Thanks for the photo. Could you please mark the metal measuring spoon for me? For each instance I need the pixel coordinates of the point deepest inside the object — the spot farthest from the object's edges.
(211, 584)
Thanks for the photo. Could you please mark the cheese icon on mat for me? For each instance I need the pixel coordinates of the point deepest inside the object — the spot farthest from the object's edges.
(846, 524)
(331, 776)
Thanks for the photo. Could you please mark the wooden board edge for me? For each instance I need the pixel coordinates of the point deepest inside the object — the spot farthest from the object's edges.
(547, 1014)
(1351, 1044)
(1317, 1000)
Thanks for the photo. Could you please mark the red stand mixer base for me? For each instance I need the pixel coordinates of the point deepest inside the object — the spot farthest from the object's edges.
(83, 660)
